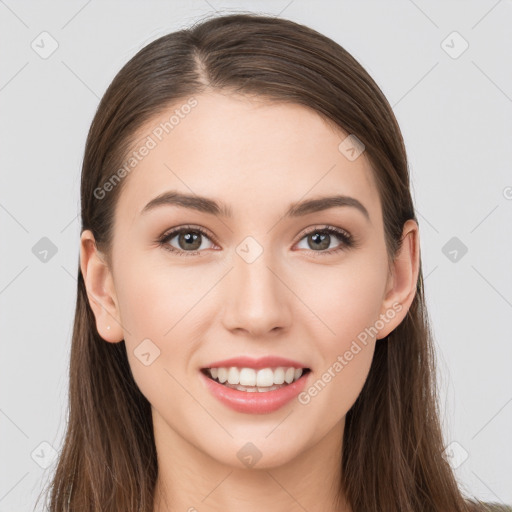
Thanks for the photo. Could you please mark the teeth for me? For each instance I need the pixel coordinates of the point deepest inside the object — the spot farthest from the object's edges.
(263, 378)
(222, 374)
(252, 389)
(247, 377)
(279, 375)
(233, 376)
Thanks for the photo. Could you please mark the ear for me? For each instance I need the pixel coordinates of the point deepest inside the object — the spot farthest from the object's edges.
(100, 289)
(402, 280)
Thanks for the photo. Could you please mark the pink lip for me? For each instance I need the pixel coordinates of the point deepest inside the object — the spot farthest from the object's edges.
(257, 364)
(255, 402)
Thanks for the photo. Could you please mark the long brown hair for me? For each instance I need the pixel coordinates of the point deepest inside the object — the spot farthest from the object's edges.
(393, 450)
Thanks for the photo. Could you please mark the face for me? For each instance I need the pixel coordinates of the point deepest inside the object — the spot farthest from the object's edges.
(258, 282)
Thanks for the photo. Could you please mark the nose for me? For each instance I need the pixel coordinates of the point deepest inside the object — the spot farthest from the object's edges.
(257, 298)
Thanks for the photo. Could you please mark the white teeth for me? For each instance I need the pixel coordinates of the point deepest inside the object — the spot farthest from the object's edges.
(222, 374)
(265, 377)
(279, 375)
(255, 379)
(247, 377)
(233, 376)
(254, 388)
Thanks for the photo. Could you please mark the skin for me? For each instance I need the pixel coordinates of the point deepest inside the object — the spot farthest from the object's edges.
(258, 158)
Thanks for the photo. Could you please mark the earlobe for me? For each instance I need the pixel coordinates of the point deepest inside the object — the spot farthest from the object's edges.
(100, 289)
(402, 283)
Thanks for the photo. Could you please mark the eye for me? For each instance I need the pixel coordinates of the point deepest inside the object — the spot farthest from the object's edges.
(320, 238)
(188, 238)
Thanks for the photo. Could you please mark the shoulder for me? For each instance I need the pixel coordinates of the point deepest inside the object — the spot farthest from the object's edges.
(480, 506)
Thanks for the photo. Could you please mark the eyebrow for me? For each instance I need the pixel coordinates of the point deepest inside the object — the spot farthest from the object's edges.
(210, 206)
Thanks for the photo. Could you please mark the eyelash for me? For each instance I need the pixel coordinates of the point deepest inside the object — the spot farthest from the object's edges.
(346, 239)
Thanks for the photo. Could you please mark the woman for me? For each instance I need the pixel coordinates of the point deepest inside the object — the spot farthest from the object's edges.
(286, 362)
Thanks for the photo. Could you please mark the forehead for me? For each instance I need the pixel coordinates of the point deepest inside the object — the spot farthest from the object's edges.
(252, 154)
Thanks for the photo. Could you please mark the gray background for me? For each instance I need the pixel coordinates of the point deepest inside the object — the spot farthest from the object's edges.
(455, 113)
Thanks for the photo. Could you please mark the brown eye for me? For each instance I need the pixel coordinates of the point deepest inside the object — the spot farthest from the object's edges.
(188, 240)
(319, 240)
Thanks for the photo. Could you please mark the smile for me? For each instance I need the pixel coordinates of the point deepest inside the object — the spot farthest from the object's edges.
(250, 379)
(253, 391)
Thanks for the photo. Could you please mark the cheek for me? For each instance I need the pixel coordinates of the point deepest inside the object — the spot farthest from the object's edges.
(349, 301)
(151, 304)
(144, 297)
(154, 312)
(349, 306)
(154, 293)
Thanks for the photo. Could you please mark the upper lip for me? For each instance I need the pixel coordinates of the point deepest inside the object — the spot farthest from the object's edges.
(262, 362)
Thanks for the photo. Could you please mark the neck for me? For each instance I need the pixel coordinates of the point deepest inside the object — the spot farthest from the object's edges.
(191, 480)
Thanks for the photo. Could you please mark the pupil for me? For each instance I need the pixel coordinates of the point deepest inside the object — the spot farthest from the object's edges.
(323, 239)
(190, 238)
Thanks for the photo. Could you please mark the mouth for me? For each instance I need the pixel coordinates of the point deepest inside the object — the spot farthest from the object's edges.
(255, 380)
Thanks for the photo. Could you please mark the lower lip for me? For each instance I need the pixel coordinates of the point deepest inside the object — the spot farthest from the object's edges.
(255, 402)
